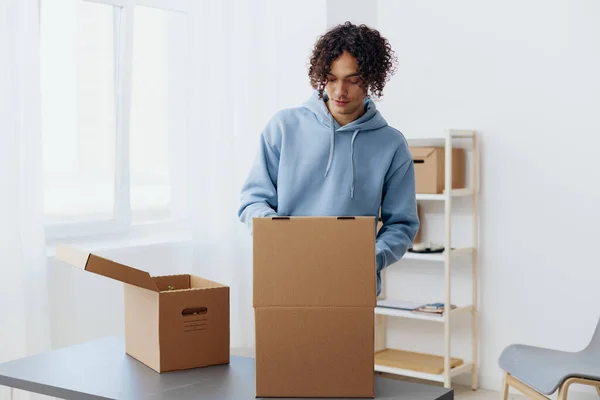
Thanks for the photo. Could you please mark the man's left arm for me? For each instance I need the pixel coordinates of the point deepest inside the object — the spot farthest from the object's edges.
(398, 214)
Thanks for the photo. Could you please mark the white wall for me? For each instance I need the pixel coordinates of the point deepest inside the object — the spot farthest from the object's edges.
(525, 74)
(340, 11)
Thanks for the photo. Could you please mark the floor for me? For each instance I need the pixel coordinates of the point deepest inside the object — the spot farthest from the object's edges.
(460, 392)
(465, 392)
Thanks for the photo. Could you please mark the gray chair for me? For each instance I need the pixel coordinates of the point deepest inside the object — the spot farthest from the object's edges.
(538, 372)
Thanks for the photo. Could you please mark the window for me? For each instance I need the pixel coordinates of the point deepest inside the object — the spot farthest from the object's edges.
(78, 83)
(114, 113)
(158, 105)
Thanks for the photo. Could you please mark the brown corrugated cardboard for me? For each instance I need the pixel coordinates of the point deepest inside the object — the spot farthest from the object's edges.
(430, 169)
(314, 299)
(171, 322)
(314, 352)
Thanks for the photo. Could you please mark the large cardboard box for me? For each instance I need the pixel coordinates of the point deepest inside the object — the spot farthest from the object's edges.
(171, 322)
(314, 300)
(430, 169)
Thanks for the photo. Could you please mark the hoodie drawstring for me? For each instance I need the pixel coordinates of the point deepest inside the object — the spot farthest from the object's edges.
(331, 144)
(331, 149)
(352, 159)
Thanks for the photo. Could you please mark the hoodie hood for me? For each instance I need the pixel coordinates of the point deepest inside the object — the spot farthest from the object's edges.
(370, 120)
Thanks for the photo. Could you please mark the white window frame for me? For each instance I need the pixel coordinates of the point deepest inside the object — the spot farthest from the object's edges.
(122, 221)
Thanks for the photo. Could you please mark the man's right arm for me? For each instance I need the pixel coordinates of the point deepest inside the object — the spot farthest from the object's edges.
(259, 193)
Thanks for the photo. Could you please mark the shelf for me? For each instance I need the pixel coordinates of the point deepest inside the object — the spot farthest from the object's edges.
(441, 197)
(436, 256)
(462, 133)
(417, 365)
(395, 312)
(459, 139)
(428, 366)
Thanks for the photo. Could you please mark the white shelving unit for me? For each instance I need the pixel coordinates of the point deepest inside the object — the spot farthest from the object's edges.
(439, 368)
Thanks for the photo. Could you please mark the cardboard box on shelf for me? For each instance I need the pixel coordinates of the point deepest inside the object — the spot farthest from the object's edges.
(172, 322)
(314, 299)
(430, 169)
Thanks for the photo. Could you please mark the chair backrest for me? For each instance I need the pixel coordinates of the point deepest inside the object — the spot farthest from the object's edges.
(594, 345)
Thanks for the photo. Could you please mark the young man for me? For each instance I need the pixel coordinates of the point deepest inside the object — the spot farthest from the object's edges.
(336, 155)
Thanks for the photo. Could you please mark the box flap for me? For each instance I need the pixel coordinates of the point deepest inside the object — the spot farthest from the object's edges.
(314, 261)
(420, 153)
(201, 283)
(102, 266)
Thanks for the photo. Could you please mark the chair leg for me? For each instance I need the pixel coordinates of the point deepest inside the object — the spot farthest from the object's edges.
(504, 393)
(564, 387)
(523, 388)
(563, 390)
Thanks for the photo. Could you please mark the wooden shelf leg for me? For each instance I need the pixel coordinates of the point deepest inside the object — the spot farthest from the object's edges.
(474, 260)
(380, 332)
(448, 247)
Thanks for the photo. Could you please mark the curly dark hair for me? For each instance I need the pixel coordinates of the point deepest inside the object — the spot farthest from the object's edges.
(374, 54)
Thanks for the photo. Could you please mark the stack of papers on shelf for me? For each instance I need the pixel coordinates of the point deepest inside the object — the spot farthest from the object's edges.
(399, 304)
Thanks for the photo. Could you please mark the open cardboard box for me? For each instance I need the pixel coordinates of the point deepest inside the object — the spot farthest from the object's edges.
(314, 298)
(171, 322)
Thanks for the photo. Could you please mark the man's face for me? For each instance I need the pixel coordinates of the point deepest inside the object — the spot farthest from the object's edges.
(346, 96)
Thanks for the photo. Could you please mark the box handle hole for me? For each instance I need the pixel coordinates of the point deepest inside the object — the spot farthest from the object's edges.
(194, 311)
(419, 161)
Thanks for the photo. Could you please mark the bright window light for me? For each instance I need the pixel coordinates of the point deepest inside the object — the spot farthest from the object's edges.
(158, 108)
(78, 110)
(114, 86)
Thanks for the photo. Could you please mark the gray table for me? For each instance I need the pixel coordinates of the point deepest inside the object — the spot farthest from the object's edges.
(102, 370)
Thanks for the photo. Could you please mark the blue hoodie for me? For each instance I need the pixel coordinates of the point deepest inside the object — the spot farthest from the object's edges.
(309, 165)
